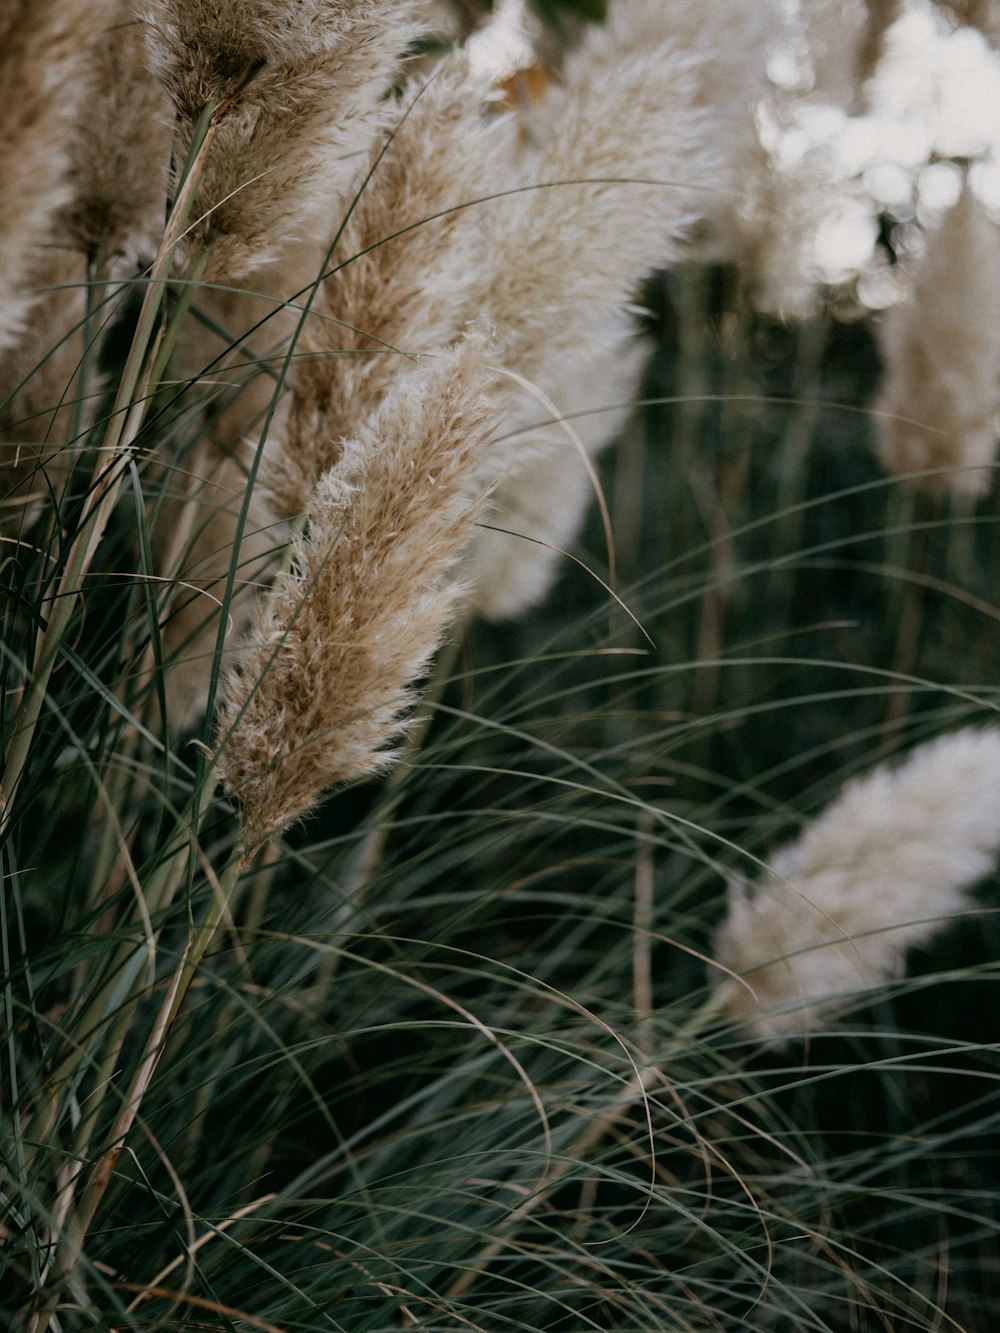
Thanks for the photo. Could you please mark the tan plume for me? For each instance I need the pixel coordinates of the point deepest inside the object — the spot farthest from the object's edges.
(298, 92)
(320, 690)
(44, 51)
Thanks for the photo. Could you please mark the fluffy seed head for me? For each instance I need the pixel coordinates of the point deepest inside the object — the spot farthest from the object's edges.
(880, 870)
(595, 207)
(322, 685)
(44, 52)
(400, 274)
(121, 152)
(299, 90)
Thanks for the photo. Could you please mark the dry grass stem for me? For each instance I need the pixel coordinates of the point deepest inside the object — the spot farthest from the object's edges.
(196, 550)
(547, 482)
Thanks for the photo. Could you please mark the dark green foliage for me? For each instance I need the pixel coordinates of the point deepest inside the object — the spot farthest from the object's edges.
(593, 11)
(403, 1095)
(555, 11)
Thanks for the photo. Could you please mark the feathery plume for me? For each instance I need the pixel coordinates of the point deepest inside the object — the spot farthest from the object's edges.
(121, 153)
(409, 249)
(324, 680)
(879, 871)
(545, 499)
(941, 351)
(598, 205)
(44, 52)
(587, 208)
(299, 91)
(564, 258)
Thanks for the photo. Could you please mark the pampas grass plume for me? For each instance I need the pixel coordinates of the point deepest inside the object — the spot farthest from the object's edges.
(598, 208)
(540, 506)
(941, 350)
(299, 91)
(881, 870)
(121, 153)
(407, 253)
(321, 687)
(598, 205)
(44, 52)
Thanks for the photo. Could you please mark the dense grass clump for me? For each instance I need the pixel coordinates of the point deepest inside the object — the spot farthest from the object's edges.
(372, 820)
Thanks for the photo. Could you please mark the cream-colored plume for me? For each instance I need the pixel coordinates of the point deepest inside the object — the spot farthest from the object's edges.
(44, 53)
(400, 274)
(882, 869)
(598, 206)
(320, 690)
(541, 504)
(941, 351)
(299, 90)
